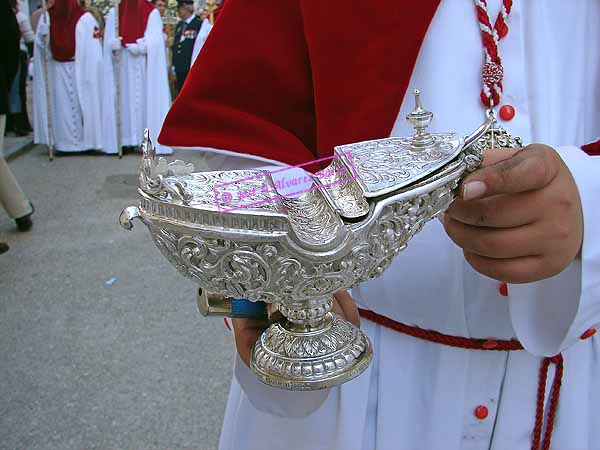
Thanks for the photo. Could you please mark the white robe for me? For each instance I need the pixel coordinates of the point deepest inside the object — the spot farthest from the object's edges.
(144, 88)
(418, 395)
(76, 92)
(205, 29)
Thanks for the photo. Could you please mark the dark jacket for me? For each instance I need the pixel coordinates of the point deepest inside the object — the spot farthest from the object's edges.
(183, 44)
(9, 55)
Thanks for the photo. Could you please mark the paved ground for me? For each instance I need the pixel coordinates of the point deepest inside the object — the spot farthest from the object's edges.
(85, 364)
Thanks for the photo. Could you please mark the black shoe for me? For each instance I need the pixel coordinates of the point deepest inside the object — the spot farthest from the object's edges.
(4, 247)
(24, 223)
(21, 124)
(20, 132)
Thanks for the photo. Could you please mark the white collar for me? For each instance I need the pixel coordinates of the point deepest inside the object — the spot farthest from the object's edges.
(189, 19)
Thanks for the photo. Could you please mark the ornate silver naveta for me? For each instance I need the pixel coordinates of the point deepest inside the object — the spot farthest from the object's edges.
(237, 236)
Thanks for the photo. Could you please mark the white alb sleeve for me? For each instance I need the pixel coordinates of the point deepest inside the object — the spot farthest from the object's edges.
(551, 315)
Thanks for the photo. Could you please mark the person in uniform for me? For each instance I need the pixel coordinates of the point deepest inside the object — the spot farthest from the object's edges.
(185, 37)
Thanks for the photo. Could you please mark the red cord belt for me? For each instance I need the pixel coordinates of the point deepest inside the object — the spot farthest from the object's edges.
(492, 345)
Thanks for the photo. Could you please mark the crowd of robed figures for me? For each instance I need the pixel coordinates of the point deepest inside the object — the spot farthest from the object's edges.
(104, 89)
(95, 87)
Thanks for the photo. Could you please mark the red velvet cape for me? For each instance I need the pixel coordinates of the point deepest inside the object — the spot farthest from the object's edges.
(133, 18)
(289, 80)
(64, 15)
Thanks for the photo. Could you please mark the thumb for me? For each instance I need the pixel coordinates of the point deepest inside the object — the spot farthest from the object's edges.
(348, 307)
(530, 168)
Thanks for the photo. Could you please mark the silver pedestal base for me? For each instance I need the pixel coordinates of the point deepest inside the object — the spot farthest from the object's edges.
(310, 357)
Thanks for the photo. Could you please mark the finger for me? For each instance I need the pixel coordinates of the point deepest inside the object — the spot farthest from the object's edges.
(499, 211)
(526, 269)
(247, 332)
(348, 306)
(337, 309)
(532, 168)
(495, 242)
(344, 312)
(495, 155)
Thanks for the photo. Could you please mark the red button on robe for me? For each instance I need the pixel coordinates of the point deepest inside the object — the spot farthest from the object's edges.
(588, 333)
(481, 412)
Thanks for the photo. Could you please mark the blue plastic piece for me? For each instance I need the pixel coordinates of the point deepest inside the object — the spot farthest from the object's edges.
(247, 309)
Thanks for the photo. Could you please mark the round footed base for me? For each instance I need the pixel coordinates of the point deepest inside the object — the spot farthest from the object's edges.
(295, 358)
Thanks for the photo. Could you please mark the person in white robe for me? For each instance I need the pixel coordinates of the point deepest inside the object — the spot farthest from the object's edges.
(144, 88)
(201, 39)
(207, 26)
(74, 77)
(419, 395)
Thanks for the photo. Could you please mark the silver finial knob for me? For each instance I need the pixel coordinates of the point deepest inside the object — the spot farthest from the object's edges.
(420, 119)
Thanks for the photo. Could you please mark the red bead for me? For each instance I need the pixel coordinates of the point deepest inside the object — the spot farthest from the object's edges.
(503, 289)
(481, 412)
(490, 344)
(588, 333)
(507, 112)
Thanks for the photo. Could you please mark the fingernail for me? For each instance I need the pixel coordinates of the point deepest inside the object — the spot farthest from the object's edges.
(473, 190)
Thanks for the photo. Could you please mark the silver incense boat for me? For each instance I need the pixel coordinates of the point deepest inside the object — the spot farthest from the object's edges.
(238, 237)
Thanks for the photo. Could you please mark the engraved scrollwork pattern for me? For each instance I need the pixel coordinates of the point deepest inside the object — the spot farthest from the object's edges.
(295, 346)
(273, 273)
(341, 186)
(154, 175)
(312, 356)
(233, 190)
(312, 218)
(398, 223)
(392, 162)
(496, 137)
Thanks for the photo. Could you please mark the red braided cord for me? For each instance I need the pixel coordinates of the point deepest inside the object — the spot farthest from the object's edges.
(498, 345)
(554, 396)
(539, 408)
(490, 36)
(501, 26)
(439, 338)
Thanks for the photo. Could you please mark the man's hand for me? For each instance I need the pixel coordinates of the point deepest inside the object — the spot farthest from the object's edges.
(115, 45)
(43, 28)
(142, 45)
(519, 218)
(133, 49)
(247, 331)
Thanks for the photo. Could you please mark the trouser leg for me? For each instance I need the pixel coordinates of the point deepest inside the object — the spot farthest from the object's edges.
(12, 197)
(24, 118)
(180, 78)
